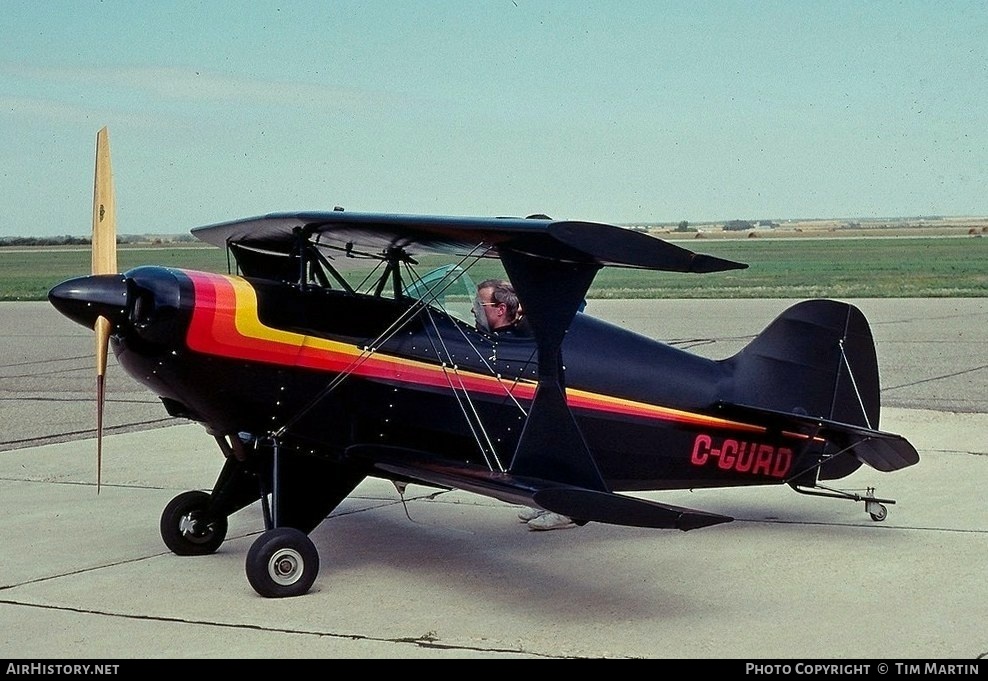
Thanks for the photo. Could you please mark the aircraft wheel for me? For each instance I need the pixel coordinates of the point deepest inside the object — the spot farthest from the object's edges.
(187, 530)
(282, 562)
(878, 512)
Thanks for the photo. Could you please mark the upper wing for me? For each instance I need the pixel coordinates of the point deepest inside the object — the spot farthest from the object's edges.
(585, 243)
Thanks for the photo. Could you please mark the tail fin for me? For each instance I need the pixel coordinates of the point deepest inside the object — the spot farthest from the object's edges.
(818, 359)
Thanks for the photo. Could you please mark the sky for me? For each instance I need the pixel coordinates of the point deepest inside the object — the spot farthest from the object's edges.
(611, 111)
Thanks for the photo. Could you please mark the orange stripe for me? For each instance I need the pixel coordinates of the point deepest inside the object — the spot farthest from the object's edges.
(225, 323)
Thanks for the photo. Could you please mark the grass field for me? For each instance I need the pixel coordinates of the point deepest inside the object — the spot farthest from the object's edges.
(836, 267)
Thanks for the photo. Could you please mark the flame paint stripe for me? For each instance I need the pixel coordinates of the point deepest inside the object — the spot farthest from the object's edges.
(216, 326)
(580, 399)
(225, 323)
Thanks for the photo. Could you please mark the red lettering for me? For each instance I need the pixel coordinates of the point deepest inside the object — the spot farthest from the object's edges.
(755, 458)
(763, 462)
(745, 457)
(727, 451)
(701, 450)
(782, 462)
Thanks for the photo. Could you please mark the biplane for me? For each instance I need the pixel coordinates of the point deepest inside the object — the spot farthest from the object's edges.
(311, 382)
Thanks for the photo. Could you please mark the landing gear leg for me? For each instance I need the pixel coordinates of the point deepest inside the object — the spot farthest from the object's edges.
(283, 561)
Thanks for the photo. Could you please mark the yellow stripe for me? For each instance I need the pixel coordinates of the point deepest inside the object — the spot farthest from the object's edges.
(249, 325)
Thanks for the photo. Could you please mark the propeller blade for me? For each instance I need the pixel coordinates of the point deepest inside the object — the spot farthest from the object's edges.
(102, 330)
(104, 262)
(104, 210)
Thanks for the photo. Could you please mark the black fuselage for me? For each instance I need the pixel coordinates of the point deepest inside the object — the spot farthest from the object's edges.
(329, 369)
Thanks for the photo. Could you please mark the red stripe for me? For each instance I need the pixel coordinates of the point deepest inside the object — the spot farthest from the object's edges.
(213, 330)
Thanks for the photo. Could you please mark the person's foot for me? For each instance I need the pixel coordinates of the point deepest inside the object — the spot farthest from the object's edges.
(550, 521)
(530, 514)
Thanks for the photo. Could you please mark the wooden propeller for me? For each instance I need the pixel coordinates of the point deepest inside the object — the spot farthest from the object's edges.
(104, 262)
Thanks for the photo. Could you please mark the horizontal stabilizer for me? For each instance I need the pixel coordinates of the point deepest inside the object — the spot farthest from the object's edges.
(583, 505)
(885, 452)
(882, 451)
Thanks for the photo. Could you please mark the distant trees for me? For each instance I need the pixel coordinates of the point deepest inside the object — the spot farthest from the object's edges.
(45, 241)
(67, 240)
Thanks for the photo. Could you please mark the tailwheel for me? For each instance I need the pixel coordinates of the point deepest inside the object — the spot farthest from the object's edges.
(874, 506)
(282, 562)
(877, 511)
(186, 527)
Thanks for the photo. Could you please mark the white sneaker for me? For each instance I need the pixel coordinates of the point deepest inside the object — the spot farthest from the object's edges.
(550, 521)
(530, 514)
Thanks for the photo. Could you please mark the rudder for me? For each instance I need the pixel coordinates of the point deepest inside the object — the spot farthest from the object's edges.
(816, 358)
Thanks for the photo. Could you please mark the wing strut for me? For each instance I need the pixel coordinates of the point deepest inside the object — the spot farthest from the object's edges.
(551, 445)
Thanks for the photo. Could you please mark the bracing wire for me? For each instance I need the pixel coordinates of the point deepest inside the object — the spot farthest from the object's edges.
(371, 348)
(854, 383)
(472, 418)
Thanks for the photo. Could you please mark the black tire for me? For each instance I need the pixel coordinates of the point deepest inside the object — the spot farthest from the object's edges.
(282, 562)
(187, 530)
(879, 514)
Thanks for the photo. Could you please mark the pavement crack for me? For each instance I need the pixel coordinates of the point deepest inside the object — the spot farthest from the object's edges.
(428, 641)
(80, 571)
(875, 526)
(932, 379)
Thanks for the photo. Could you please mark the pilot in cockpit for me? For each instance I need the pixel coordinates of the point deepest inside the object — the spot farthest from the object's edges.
(497, 310)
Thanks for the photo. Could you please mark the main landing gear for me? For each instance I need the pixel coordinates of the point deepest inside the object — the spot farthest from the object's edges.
(283, 561)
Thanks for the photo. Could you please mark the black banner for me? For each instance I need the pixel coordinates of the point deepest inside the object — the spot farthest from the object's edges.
(871, 669)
